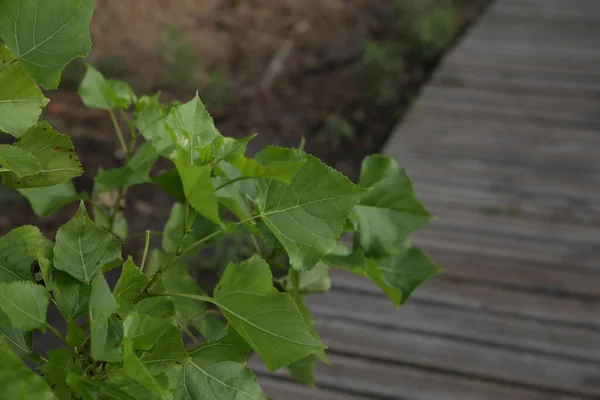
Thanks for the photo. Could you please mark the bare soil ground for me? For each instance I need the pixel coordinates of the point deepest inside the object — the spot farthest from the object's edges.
(280, 68)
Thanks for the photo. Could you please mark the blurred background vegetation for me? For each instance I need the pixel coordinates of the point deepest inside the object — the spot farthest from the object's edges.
(339, 73)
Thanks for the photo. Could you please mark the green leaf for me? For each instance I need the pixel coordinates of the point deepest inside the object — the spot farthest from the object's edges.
(120, 226)
(136, 171)
(72, 296)
(227, 171)
(18, 251)
(191, 125)
(76, 336)
(177, 279)
(159, 307)
(303, 370)
(397, 275)
(406, 270)
(107, 94)
(83, 249)
(45, 201)
(218, 368)
(21, 162)
(283, 171)
(135, 369)
(268, 320)
(119, 93)
(210, 326)
(17, 381)
(81, 387)
(45, 36)
(131, 281)
(133, 388)
(232, 198)
(93, 389)
(314, 281)
(55, 154)
(6, 57)
(357, 263)
(391, 211)
(60, 364)
(142, 330)
(175, 226)
(104, 327)
(224, 148)
(20, 342)
(92, 89)
(25, 303)
(167, 352)
(310, 323)
(21, 100)
(170, 182)
(198, 188)
(308, 215)
(148, 119)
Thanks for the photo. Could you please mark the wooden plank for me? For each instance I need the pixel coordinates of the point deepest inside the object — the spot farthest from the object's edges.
(280, 389)
(552, 233)
(553, 162)
(508, 129)
(516, 334)
(524, 105)
(492, 77)
(469, 359)
(387, 381)
(563, 34)
(511, 117)
(494, 300)
(521, 182)
(492, 138)
(441, 199)
(490, 132)
(441, 110)
(473, 51)
(582, 259)
(584, 11)
(579, 7)
(474, 174)
(526, 276)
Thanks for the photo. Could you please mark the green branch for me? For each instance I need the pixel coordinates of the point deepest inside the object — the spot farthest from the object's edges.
(118, 131)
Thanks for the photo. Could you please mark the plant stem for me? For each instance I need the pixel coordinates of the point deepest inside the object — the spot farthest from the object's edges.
(302, 143)
(146, 246)
(146, 291)
(186, 296)
(155, 233)
(234, 180)
(130, 125)
(295, 279)
(116, 209)
(61, 337)
(203, 240)
(256, 245)
(186, 330)
(113, 118)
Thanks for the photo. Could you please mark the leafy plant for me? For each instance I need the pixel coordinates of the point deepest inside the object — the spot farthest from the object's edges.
(126, 342)
(416, 33)
(219, 91)
(336, 129)
(180, 58)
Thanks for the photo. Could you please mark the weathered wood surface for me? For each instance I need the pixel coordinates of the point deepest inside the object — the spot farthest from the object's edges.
(504, 147)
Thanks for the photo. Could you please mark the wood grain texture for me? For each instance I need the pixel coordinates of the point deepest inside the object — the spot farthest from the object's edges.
(503, 147)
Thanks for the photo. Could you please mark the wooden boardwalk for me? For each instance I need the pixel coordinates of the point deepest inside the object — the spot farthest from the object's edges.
(504, 147)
